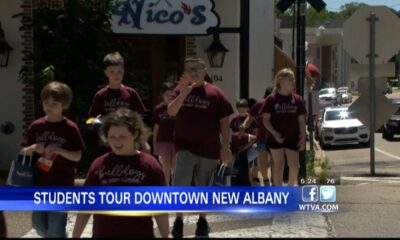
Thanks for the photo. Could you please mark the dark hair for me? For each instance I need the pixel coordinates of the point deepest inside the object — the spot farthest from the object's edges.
(113, 59)
(125, 117)
(268, 91)
(60, 92)
(242, 103)
(166, 86)
(252, 102)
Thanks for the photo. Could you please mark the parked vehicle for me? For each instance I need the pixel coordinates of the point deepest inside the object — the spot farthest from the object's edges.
(327, 94)
(344, 96)
(336, 127)
(392, 126)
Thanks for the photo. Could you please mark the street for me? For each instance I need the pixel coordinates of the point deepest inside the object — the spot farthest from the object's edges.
(369, 206)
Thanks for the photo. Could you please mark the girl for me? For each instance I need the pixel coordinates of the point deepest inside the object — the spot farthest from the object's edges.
(284, 119)
(124, 130)
(163, 133)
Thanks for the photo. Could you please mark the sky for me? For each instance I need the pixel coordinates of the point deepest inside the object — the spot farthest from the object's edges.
(334, 5)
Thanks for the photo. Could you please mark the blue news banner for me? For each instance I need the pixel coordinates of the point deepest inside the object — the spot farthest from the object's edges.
(157, 199)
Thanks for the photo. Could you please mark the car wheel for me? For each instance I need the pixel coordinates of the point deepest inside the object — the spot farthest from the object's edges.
(387, 134)
(366, 144)
(322, 144)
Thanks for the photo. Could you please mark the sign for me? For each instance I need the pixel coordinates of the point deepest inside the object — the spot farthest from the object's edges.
(356, 32)
(358, 71)
(164, 17)
(385, 109)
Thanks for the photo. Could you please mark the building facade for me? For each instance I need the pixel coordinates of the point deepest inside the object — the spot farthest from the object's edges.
(163, 40)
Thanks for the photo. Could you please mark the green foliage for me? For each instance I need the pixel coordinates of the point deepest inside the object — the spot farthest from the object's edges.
(310, 157)
(69, 45)
(313, 17)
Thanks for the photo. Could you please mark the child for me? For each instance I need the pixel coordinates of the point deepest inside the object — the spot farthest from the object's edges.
(284, 119)
(163, 133)
(243, 109)
(124, 130)
(115, 95)
(201, 133)
(263, 151)
(53, 137)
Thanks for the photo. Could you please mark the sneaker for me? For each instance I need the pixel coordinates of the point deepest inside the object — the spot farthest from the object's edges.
(202, 229)
(177, 230)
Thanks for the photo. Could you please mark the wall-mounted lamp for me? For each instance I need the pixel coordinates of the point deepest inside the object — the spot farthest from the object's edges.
(5, 49)
(216, 52)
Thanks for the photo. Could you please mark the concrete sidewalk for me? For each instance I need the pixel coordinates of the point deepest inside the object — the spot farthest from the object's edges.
(282, 225)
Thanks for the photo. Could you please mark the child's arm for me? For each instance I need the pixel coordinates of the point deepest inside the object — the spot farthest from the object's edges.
(70, 155)
(155, 134)
(80, 224)
(185, 88)
(252, 139)
(37, 147)
(163, 225)
(226, 154)
(270, 128)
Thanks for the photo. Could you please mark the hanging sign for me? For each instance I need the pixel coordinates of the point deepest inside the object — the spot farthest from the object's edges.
(164, 16)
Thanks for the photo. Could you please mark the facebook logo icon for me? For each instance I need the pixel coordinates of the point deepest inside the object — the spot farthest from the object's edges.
(310, 193)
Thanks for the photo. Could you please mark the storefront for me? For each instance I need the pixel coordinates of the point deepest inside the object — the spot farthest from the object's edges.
(164, 33)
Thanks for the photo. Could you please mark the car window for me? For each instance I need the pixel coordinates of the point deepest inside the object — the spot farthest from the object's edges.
(398, 111)
(338, 115)
(326, 91)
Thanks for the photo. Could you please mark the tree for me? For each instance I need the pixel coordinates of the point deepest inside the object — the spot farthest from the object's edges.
(348, 9)
(313, 16)
(69, 44)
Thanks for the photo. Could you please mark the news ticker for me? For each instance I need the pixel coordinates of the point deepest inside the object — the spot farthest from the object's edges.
(170, 199)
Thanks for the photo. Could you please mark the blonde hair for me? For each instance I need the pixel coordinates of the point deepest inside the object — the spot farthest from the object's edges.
(283, 74)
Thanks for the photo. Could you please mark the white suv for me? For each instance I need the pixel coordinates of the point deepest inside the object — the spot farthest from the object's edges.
(337, 127)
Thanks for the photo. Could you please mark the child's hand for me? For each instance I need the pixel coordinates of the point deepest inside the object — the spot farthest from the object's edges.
(278, 137)
(52, 149)
(226, 154)
(28, 150)
(37, 147)
(185, 86)
(301, 145)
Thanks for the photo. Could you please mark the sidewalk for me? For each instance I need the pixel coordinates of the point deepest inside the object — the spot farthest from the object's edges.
(282, 225)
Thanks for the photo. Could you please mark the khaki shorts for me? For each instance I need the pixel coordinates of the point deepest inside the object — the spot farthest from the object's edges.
(189, 165)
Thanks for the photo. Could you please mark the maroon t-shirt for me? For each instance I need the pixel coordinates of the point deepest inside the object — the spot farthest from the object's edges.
(113, 170)
(197, 127)
(64, 134)
(238, 120)
(255, 112)
(165, 122)
(284, 112)
(109, 100)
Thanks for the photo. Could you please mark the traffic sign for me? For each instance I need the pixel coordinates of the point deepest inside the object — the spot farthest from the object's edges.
(356, 32)
(384, 107)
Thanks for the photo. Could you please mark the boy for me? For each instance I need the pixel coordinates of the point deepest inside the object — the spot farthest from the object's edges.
(59, 143)
(201, 133)
(115, 95)
(251, 131)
